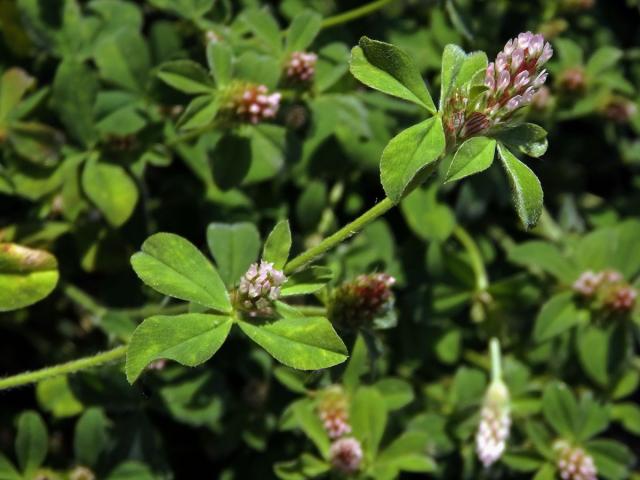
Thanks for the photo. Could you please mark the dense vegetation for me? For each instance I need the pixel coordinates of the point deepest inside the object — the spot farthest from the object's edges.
(182, 291)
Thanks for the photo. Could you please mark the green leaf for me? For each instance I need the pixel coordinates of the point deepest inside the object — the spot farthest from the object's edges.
(592, 344)
(473, 64)
(264, 27)
(307, 281)
(303, 30)
(528, 138)
(7, 470)
(384, 67)
(277, 246)
(305, 343)
(190, 339)
(111, 189)
(306, 415)
(547, 472)
(220, 60)
(231, 160)
(37, 143)
(560, 409)
(173, 266)
(123, 58)
(358, 365)
(186, 76)
(14, 83)
(544, 256)
(200, 112)
(31, 442)
(302, 468)
(408, 453)
(556, 316)
(593, 418)
(73, 95)
(55, 396)
(397, 393)
(453, 58)
(603, 59)
(525, 186)
(368, 415)
(26, 276)
(628, 414)
(407, 155)
(234, 247)
(426, 216)
(90, 437)
(474, 155)
(613, 459)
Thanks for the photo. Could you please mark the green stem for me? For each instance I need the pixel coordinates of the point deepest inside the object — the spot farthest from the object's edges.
(477, 264)
(355, 13)
(64, 368)
(340, 236)
(496, 360)
(311, 310)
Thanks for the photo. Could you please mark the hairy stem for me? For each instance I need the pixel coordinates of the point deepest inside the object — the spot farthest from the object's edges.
(496, 360)
(477, 264)
(340, 236)
(350, 15)
(64, 368)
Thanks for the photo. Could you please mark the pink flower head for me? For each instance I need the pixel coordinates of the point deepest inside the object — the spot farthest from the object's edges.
(255, 104)
(346, 455)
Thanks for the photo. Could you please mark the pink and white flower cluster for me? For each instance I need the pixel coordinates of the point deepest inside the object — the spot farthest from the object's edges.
(608, 288)
(516, 75)
(495, 423)
(333, 409)
(301, 66)
(255, 104)
(574, 463)
(259, 289)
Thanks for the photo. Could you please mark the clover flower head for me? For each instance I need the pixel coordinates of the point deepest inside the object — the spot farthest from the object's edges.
(259, 289)
(346, 455)
(357, 303)
(587, 283)
(255, 104)
(333, 409)
(516, 75)
(574, 463)
(495, 423)
(301, 66)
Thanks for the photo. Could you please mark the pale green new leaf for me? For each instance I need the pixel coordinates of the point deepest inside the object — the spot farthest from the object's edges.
(26, 276)
(111, 189)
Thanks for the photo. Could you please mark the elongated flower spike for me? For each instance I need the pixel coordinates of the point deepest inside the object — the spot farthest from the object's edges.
(495, 416)
(511, 82)
(516, 75)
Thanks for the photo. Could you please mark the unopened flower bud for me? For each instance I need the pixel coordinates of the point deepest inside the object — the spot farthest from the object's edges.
(573, 79)
(346, 455)
(574, 463)
(259, 289)
(495, 423)
(622, 298)
(357, 303)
